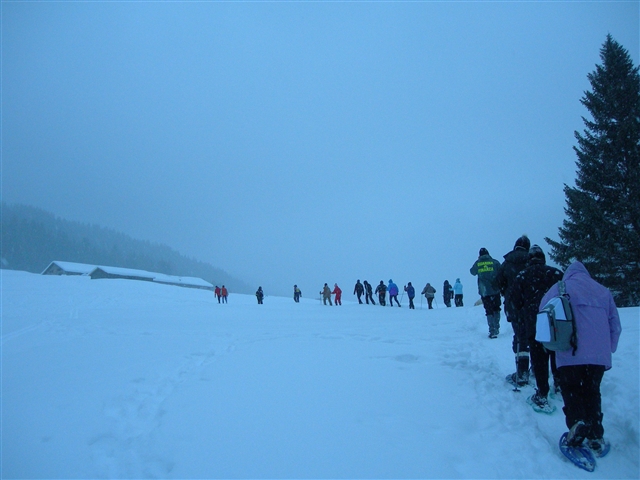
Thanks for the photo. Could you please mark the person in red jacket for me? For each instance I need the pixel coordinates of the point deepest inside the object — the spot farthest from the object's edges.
(225, 293)
(217, 293)
(338, 293)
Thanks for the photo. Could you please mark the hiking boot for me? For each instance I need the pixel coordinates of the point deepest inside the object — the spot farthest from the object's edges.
(599, 446)
(540, 401)
(577, 434)
(493, 335)
(523, 378)
(519, 380)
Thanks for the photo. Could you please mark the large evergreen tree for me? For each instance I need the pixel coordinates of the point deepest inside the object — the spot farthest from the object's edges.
(602, 228)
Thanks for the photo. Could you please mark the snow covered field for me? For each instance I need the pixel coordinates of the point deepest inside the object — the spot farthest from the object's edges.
(126, 379)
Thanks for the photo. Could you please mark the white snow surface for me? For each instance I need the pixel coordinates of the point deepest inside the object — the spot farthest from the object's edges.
(126, 379)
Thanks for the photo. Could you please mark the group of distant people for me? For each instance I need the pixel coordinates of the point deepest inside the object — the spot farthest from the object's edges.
(527, 284)
(366, 289)
(221, 294)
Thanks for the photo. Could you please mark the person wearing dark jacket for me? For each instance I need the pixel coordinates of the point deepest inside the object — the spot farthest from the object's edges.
(486, 268)
(259, 295)
(358, 290)
(369, 292)
(381, 290)
(447, 293)
(514, 262)
(411, 293)
(529, 287)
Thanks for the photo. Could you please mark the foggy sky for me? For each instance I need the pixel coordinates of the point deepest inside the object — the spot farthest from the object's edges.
(305, 142)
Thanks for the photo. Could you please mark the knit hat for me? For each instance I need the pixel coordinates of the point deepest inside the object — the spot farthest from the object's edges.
(523, 242)
(535, 252)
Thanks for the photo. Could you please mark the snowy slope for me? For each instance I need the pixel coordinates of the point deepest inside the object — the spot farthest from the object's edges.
(125, 379)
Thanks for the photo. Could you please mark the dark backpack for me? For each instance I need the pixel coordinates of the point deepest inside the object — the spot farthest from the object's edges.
(556, 324)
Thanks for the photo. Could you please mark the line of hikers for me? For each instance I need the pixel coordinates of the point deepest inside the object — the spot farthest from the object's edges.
(527, 284)
(364, 288)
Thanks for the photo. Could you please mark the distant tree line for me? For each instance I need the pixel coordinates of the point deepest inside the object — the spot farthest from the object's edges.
(32, 238)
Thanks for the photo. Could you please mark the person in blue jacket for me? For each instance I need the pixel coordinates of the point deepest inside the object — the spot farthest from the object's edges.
(457, 293)
(393, 293)
(411, 293)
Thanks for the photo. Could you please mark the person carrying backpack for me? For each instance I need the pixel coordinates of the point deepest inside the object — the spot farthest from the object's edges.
(486, 268)
(296, 294)
(514, 262)
(598, 331)
(529, 287)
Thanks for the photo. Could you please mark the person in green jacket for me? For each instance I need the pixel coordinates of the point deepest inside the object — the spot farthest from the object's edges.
(486, 269)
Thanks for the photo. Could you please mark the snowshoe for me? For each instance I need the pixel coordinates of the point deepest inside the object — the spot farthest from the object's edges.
(540, 404)
(599, 447)
(521, 382)
(580, 456)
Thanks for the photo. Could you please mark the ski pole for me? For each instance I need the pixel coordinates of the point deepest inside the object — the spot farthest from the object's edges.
(515, 387)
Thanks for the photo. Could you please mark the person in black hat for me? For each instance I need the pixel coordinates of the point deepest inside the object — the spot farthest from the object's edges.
(529, 287)
(514, 262)
(486, 268)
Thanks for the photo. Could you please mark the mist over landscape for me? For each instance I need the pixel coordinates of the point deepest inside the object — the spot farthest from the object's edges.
(303, 142)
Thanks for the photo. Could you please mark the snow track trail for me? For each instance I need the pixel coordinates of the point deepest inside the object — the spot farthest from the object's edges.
(123, 379)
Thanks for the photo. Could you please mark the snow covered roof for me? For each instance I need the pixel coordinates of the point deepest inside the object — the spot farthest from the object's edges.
(69, 268)
(130, 273)
(185, 281)
(99, 272)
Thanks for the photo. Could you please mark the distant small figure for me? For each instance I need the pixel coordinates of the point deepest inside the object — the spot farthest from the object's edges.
(224, 293)
(359, 290)
(381, 290)
(411, 293)
(296, 294)
(393, 293)
(369, 290)
(457, 293)
(217, 293)
(338, 293)
(326, 295)
(259, 295)
(429, 292)
(447, 293)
